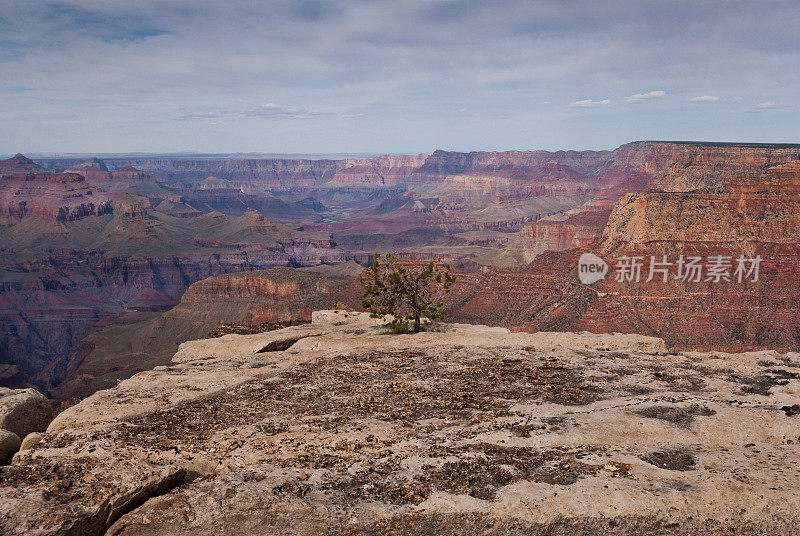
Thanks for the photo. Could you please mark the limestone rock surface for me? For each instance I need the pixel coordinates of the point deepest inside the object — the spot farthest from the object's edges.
(23, 411)
(336, 428)
(9, 444)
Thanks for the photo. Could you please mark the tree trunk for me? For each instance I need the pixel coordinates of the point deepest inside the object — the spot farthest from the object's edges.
(416, 322)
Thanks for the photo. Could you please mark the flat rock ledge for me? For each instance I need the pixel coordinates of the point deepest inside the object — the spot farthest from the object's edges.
(337, 428)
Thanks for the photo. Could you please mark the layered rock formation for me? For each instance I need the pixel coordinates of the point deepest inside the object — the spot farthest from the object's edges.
(172, 225)
(19, 163)
(95, 171)
(691, 166)
(667, 165)
(765, 208)
(46, 314)
(557, 233)
(755, 217)
(457, 191)
(758, 217)
(26, 190)
(74, 254)
(334, 428)
(247, 299)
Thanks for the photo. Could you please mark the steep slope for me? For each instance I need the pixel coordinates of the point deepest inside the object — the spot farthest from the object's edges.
(755, 217)
(19, 163)
(62, 196)
(751, 218)
(572, 229)
(135, 343)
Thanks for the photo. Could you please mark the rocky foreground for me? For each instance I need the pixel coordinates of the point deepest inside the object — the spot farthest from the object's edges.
(336, 428)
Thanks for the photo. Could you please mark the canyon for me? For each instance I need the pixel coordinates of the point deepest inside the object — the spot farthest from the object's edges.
(96, 251)
(76, 255)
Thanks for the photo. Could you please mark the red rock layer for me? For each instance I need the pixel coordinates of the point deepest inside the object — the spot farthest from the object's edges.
(576, 231)
(62, 196)
(119, 349)
(758, 217)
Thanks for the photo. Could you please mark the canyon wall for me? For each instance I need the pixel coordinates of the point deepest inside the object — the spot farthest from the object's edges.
(254, 300)
(75, 256)
(758, 217)
(63, 196)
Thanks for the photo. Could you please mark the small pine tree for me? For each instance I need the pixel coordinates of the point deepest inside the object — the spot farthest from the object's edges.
(410, 296)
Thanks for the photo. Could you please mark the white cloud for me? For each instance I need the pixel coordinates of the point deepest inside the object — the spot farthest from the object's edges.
(769, 106)
(265, 111)
(641, 97)
(589, 103)
(199, 115)
(274, 110)
(704, 98)
(78, 64)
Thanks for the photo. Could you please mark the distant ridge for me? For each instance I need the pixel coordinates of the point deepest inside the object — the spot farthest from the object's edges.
(178, 155)
(44, 157)
(726, 144)
(18, 163)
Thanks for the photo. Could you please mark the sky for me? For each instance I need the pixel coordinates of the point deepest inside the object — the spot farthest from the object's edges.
(397, 76)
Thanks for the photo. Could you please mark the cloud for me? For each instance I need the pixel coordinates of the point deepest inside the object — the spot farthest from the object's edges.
(769, 106)
(589, 103)
(199, 115)
(264, 111)
(641, 97)
(704, 98)
(106, 26)
(157, 74)
(270, 110)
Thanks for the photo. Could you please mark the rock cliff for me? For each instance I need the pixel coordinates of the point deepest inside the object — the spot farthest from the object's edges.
(756, 216)
(54, 196)
(691, 166)
(557, 233)
(120, 348)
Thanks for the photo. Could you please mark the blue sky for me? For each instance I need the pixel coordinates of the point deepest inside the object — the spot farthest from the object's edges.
(401, 76)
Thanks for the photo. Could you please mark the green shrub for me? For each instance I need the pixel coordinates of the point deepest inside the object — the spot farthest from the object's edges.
(412, 297)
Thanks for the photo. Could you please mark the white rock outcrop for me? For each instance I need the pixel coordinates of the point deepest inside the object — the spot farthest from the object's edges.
(23, 411)
(335, 427)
